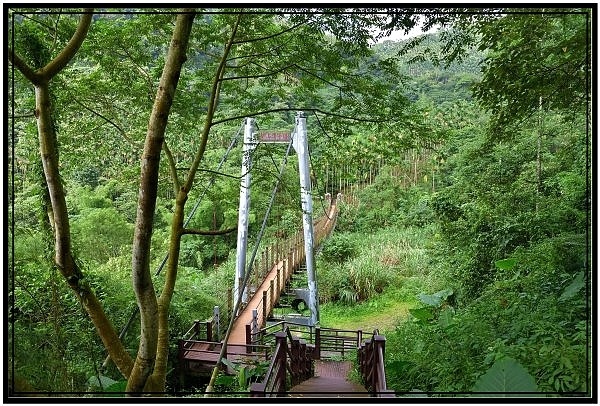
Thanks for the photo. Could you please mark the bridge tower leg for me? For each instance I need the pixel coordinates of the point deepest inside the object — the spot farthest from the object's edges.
(300, 144)
(243, 212)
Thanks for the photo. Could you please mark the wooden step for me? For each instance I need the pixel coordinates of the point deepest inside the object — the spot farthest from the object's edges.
(330, 380)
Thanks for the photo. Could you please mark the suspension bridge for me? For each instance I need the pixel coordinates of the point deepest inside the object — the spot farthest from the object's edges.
(299, 352)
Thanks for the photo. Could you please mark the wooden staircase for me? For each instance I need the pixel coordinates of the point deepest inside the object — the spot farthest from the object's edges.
(330, 380)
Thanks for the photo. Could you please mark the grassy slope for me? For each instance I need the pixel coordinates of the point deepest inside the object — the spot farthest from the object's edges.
(404, 252)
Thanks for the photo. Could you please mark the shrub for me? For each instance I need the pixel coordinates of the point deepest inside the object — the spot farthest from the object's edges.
(339, 248)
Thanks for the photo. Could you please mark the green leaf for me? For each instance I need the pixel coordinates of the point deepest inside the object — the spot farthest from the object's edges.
(506, 264)
(445, 318)
(435, 299)
(229, 364)
(506, 375)
(119, 386)
(100, 382)
(575, 286)
(242, 377)
(422, 314)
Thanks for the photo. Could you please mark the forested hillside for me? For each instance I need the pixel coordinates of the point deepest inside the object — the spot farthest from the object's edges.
(464, 159)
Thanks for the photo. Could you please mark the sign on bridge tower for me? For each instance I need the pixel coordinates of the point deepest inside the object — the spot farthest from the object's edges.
(300, 144)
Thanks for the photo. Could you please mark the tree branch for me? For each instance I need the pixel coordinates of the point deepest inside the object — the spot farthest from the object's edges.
(29, 73)
(327, 113)
(275, 72)
(221, 173)
(172, 166)
(67, 53)
(268, 36)
(270, 52)
(212, 104)
(208, 232)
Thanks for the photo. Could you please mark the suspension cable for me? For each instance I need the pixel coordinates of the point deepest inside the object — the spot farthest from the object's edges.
(213, 377)
(312, 166)
(136, 309)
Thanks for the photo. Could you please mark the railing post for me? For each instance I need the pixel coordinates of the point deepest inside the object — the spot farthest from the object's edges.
(379, 343)
(278, 281)
(270, 256)
(281, 340)
(264, 304)
(217, 322)
(272, 294)
(209, 332)
(317, 343)
(254, 328)
(248, 336)
(196, 329)
(257, 277)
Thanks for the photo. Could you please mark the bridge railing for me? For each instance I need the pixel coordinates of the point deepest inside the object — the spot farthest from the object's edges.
(328, 342)
(202, 330)
(292, 361)
(209, 351)
(371, 355)
(291, 364)
(287, 256)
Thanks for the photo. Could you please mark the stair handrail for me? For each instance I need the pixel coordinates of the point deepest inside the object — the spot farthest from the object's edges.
(274, 381)
(292, 363)
(371, 361)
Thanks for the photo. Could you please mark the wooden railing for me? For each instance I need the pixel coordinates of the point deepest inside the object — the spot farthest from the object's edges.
(292, 363)
(371, 355)
(202, 331)
(209, 351)
(328, 342)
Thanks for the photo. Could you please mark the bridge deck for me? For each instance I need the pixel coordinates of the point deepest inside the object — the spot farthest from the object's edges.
(238, 331)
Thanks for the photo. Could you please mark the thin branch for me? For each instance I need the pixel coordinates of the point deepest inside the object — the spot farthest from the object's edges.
(208, 232)
(121, 131)
(17, 116)
(141, 70)
(221, 173)
(327, 113)
(55, 40)
(67, 53)
(211, 108)
(269, 52)
(172, 166)
(42, 23)
(317, 76)
(269, 36)
(275, 72)
(94, 112)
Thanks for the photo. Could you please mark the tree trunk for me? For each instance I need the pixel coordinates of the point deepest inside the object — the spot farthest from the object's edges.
(57, 207)
(141, 275)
